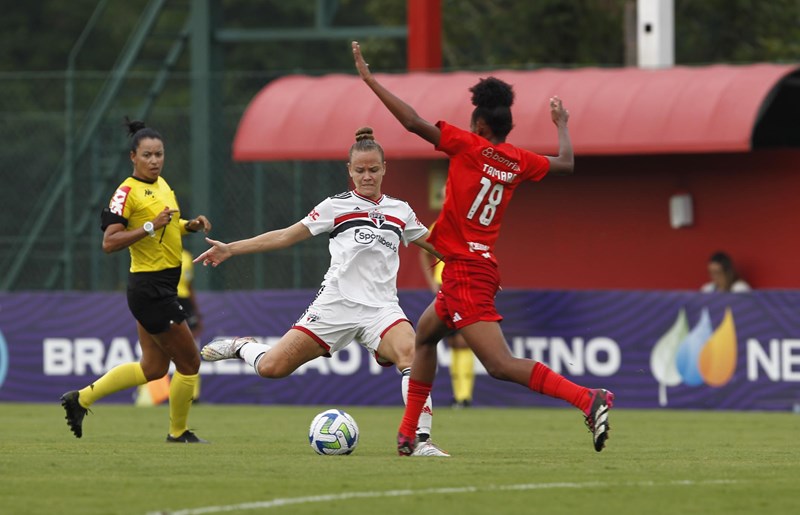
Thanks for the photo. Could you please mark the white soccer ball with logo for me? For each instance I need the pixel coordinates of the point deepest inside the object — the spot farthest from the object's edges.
(333, 432)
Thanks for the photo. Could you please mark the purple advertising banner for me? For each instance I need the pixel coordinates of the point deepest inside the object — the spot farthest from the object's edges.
(653, 349)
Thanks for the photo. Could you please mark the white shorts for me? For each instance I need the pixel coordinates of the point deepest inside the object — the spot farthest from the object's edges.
(333, 322)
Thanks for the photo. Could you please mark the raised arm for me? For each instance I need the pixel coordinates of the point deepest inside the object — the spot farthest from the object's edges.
(404, 113)
(564, 163)
(272, 240)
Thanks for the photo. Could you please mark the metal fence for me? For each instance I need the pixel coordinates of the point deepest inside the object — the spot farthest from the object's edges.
(251, 197)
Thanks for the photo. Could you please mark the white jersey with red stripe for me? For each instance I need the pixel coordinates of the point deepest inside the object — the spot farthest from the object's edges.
(365, 236)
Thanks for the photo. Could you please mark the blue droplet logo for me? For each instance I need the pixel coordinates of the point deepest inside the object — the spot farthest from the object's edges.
(3, 359)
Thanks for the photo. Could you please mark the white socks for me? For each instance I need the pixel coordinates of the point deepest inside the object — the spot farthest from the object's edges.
(252, 352)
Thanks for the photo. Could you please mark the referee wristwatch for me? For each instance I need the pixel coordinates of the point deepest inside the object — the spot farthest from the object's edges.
(149, 229)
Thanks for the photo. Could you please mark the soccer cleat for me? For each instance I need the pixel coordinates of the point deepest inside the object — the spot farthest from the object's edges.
(597, 416)
(224, 348)
(405, 445)
(75, 412)
(185, 437)
(428, 448)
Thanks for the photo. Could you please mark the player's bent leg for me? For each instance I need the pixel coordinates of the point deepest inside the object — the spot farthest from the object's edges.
(489, 345)
(486, 340)
(295, 348)
(397, 345)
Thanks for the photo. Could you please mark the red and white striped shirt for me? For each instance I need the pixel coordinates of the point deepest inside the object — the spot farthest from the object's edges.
(365, 236)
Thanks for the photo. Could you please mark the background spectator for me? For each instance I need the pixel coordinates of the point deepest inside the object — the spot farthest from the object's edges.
(723, 275)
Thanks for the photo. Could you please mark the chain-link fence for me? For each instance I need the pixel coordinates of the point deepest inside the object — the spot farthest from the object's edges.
(49, 226)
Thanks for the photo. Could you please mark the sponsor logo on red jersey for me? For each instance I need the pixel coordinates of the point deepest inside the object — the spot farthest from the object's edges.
(494, 155)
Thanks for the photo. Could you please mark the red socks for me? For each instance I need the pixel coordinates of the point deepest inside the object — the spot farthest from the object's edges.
(547, 382)
(417, 395)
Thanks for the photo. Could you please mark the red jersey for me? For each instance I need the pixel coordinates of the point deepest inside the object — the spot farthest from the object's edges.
(481, 179)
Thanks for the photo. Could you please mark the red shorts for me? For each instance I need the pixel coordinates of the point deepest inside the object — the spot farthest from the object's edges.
(467, 293)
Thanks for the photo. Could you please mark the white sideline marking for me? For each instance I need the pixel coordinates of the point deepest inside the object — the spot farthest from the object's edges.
(259, 505)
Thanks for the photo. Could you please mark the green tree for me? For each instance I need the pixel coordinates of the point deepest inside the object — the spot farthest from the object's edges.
(736, 31)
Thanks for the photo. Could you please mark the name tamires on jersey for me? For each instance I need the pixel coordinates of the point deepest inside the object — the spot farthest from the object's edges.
(365, 236)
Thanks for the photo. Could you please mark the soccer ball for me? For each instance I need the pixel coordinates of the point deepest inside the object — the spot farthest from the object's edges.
(333, 432)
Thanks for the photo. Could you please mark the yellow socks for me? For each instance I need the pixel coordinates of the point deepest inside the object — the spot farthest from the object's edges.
(181, 389)
(462, 374)
(196, 393)
(118, 378)
(128, 375)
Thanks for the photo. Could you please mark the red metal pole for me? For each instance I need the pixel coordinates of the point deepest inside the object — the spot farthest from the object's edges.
(424, 35)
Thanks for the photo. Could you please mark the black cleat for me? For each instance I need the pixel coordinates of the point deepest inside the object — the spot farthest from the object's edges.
(186, 437)
(75, 412)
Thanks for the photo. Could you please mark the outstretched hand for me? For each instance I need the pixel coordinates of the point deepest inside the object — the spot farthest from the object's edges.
(361, 64)
(218, 253)
(199, 223)
(558, 114)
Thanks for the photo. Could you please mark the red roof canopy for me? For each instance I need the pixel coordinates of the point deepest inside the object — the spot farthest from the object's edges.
(612, 111)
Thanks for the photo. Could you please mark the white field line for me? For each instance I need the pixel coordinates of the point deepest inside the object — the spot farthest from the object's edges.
(276, 503)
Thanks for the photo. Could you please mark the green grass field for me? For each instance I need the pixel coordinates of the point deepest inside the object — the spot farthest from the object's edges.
(504, 461)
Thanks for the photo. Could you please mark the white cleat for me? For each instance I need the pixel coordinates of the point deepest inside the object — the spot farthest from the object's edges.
(224, 348)
(428, 448)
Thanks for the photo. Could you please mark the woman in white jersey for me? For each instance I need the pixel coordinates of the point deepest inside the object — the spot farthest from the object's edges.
(358, 298)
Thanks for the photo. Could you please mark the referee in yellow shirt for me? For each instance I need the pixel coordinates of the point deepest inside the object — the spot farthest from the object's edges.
(143, 216)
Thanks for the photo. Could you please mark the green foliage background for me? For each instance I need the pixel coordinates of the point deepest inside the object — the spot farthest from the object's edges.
(37, 35)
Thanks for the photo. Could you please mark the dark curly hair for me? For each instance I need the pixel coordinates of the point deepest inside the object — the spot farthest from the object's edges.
(492, 99)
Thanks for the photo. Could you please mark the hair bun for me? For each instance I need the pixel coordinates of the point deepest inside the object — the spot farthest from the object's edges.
(492, 92)
(364, 133)
(134, 126)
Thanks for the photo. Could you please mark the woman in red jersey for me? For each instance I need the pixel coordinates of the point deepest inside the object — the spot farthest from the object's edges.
(484, 170)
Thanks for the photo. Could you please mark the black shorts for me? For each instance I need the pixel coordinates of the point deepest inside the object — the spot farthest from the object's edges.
(188, 308)
(153, 299)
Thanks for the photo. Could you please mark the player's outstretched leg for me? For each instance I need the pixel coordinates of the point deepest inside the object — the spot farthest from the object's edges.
(224, 348)
(597, 416)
